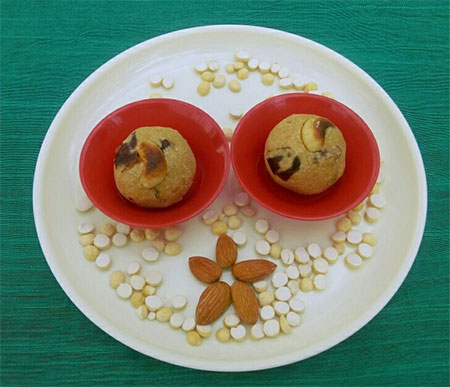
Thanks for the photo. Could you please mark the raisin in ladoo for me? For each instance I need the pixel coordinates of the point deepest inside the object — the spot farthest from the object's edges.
(305, 153)
(154, 167)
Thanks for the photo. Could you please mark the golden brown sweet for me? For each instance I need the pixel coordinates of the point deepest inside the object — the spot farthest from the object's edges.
(305, 153)
(154, 167)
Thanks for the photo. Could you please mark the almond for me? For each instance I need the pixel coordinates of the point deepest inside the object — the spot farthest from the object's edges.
(204, 269)
(253, 270)
(245, 302)
(213, 302)
(226, 251)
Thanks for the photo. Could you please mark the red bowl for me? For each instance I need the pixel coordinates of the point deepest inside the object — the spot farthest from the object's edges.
(204, 135)
(247, 156)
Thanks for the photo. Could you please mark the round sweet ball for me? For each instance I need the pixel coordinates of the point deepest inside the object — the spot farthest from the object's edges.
(154, 167)
(305, 153)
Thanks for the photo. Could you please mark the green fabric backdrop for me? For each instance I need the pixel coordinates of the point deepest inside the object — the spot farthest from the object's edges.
(49, 47)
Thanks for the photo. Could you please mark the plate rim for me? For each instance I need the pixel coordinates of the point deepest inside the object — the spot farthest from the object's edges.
(233, 366)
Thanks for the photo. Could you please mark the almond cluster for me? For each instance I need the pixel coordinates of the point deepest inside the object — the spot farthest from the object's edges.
(218, 296)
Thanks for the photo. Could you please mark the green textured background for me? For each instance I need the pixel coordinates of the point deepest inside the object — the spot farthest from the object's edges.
(49, 47)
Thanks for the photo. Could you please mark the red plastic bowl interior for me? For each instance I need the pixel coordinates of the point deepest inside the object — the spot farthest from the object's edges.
(247, 155)
(204, 136)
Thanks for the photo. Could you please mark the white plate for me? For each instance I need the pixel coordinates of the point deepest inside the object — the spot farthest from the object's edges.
(352, 298)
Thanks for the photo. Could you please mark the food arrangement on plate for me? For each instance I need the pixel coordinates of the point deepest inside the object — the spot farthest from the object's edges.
(305, 151)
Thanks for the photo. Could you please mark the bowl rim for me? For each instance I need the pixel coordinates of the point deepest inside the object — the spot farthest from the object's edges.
(211, 365)
(246, 182)
(168, 101)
